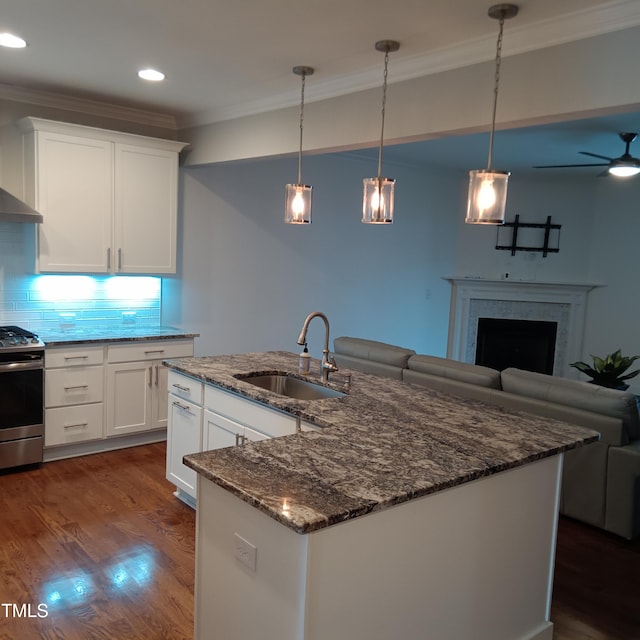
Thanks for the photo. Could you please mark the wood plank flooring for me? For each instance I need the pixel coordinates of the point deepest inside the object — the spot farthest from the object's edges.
(104, 544)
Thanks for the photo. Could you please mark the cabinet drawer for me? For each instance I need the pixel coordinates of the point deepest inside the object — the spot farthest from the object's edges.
(73, 385)
(186, 387)
(271, 422)
(72, 356)
(147, 350)
(65, 425)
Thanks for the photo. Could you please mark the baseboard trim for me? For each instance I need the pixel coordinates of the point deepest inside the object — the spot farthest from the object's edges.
(100, 446)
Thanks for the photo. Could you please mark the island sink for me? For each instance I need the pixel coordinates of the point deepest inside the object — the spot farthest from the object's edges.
(286, 385)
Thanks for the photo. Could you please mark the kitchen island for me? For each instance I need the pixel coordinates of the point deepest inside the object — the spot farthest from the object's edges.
(408, 513)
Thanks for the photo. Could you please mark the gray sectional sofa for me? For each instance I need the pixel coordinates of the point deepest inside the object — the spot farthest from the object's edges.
(601, 482)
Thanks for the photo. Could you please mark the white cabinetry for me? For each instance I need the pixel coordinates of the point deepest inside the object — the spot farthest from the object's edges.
(231, 420)
(205, 417)
(184, 432)
(137, 384)
(74, 393)
(109, 199)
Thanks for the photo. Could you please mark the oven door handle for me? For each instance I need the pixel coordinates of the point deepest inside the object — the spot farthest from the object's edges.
(21, 366)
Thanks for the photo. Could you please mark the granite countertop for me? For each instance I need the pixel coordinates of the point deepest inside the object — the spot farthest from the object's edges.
(384, 443)
(111, 333)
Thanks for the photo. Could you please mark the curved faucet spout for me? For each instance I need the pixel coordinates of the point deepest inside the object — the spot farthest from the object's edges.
(328, 362)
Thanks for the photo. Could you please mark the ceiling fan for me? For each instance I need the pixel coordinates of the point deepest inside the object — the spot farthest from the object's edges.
(624, 166)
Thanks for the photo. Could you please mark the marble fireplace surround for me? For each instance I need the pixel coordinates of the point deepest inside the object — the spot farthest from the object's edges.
(560, 302)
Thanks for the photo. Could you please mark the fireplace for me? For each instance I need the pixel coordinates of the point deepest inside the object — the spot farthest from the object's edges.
(561, 304)
(524, 344)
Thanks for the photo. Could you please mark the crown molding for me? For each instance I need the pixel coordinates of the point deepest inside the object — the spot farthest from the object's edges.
(86, 106)
(587, 23)
(614, 16)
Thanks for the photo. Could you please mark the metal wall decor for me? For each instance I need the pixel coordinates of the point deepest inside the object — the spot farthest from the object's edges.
(549, 237)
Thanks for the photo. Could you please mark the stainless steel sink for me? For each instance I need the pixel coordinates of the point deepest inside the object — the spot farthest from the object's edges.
(286, 385)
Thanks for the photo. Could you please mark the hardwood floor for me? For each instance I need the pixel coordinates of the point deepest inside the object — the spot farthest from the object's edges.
(101, 541)
(596, 589)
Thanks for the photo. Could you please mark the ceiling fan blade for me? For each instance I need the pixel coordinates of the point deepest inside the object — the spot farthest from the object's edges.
(595, 155)
(561, 166)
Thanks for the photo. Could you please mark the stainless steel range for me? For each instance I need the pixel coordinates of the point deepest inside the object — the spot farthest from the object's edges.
(21, 397)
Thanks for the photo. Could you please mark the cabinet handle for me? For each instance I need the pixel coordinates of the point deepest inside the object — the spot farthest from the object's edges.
(184, 407)
(78, 424)
(150, 375)
(240, 439)
(82, 357)
(77, 386)
(109, 259)
(119, 259)
(157, 375)
(150, 351)
(179, 386)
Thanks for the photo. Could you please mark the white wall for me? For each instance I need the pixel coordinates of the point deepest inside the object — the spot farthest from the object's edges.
(569, 202)
(614, 260)
(248, 280)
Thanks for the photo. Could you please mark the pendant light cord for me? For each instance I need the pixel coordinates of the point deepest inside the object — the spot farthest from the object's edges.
(304, 75)
(495, 91)
(384, 106)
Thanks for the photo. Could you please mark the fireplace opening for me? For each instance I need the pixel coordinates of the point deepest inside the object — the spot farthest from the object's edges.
(524, 344)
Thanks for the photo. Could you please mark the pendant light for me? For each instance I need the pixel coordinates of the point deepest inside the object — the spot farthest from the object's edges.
(297, 209)
(488, 187)
(377, 200)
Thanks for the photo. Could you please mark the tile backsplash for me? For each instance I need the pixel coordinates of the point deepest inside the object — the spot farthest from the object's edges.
(39, 302)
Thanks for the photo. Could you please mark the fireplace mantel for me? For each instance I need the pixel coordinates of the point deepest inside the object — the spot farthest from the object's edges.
(561, 302)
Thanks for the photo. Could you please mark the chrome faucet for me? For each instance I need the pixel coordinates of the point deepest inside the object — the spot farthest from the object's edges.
(328, 362)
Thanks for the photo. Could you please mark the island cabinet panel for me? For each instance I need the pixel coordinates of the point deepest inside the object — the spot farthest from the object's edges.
(258, 417)
(474, 561)
(184, 433)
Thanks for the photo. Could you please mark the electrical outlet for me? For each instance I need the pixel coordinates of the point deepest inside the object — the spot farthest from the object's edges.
(244, 551)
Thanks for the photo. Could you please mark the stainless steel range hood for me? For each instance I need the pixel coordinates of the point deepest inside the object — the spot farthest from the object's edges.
(14, 210)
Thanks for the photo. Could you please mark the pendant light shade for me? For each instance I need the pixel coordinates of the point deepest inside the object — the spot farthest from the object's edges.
(378, 192)
(487, 198)
(297, 208)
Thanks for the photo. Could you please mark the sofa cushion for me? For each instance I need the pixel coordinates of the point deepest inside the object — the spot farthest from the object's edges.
(372, 350)
(575, 393)
(461, 371)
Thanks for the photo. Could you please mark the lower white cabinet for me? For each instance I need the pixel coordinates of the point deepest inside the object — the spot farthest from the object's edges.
(74, 394)
(184, 432)
(221, 432)
(96, 391)
(204, 417)
(137, 385)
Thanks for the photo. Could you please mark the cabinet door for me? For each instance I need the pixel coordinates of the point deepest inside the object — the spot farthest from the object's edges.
(159, 395)
(129, 391)
(146, 183)
(74, 192)
(183, 437)
(221, 432)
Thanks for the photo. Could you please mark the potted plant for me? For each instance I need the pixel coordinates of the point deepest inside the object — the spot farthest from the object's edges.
(609, 371)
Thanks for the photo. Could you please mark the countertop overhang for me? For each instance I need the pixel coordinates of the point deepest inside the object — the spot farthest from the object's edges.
(383, 443)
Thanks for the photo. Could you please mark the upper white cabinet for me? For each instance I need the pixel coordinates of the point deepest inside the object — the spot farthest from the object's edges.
(109, 199)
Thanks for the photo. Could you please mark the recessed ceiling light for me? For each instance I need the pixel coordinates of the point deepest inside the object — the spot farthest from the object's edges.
(152, 75)
(10, 40)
